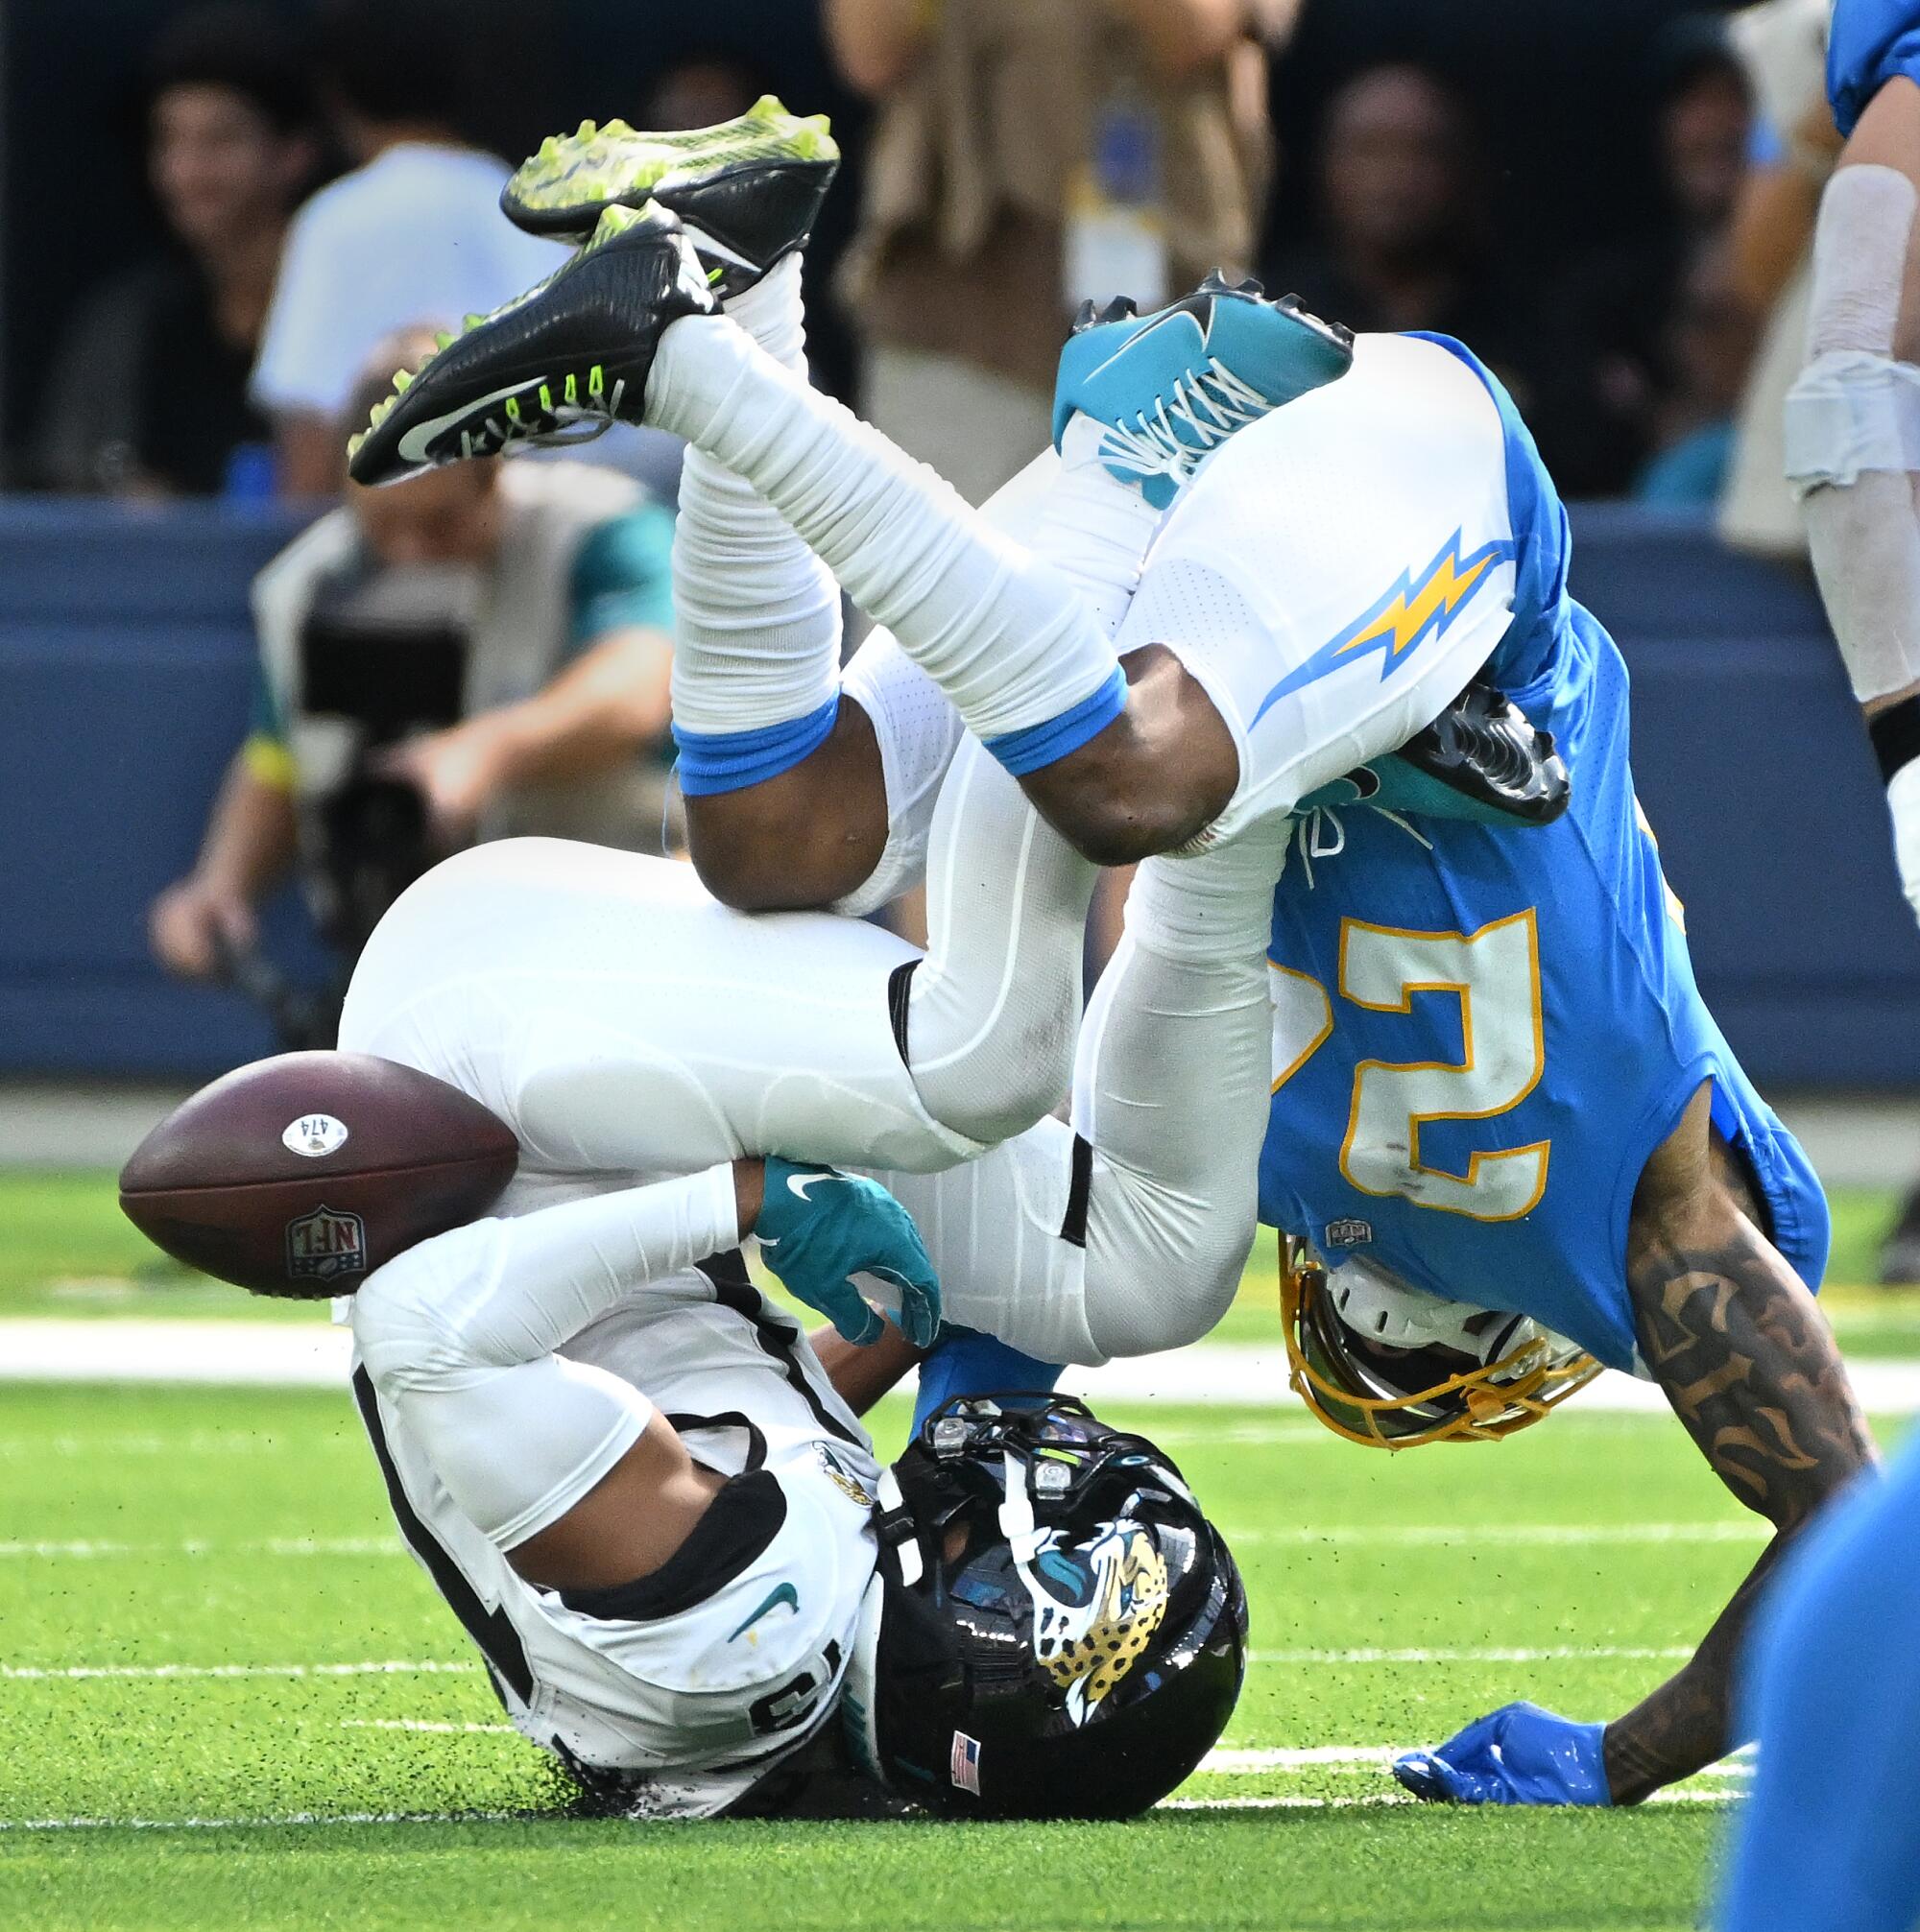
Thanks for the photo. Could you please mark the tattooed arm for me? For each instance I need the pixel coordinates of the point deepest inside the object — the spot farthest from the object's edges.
(1748, 1363)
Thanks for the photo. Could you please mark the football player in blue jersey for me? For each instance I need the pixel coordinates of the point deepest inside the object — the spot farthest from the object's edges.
(1382, 984)
(1826, 1838)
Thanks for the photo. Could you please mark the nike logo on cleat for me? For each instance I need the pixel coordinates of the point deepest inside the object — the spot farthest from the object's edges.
(414, 444)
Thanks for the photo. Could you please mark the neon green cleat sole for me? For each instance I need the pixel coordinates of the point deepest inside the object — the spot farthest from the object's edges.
(747, 190)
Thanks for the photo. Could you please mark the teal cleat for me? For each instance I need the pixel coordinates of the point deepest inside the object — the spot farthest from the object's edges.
(1150, 396)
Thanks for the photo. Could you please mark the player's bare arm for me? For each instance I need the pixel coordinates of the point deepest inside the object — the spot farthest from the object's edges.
(1753, 1373)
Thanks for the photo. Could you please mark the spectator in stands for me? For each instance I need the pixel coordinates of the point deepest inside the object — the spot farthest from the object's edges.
(1027, 154)
(556, 580)
(1405, 227)
(149, 393)
(1704, 352)
(1651, 333)
(414, 230)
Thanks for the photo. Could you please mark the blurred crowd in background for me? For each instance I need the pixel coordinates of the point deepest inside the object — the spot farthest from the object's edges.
(1612, 205)
(319, 177)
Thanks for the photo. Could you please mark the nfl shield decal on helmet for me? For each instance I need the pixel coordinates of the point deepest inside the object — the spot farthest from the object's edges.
(326, 1244)
(964, 1769)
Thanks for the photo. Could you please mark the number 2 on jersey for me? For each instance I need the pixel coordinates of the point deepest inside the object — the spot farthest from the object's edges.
(1495, 976)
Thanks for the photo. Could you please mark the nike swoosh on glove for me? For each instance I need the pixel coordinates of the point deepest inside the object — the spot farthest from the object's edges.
(819, 1227)
(1519, 1754)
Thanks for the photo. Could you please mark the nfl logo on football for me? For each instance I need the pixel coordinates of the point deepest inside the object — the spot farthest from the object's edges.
(325, 1244)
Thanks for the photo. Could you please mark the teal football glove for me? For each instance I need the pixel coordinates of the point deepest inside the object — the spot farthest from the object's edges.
(819, 1227)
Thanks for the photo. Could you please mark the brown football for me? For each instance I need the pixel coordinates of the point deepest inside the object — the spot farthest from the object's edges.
(300, 1175)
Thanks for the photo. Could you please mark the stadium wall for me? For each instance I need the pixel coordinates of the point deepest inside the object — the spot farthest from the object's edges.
(125, 655)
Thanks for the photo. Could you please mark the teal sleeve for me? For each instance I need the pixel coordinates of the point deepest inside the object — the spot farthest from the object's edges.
(623, 577)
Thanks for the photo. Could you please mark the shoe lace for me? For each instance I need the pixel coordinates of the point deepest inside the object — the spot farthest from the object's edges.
(1202, 410)
(1322, 834)
(554, 422)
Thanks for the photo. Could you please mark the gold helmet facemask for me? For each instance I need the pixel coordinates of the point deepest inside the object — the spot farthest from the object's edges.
(1393, 1367)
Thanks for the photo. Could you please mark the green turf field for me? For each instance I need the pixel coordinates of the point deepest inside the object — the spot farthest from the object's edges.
(205, 1621)
(66, 1249)
(227, 1698)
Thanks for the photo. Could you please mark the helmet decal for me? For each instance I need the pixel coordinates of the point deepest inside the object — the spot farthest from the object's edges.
(1087, 1635)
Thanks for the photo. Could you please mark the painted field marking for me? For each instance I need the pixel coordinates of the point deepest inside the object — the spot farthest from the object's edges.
(193, 1349)
(35, 1673)
(84, 1551)
(1249, 1763)
(1482, 1653)
(1549, 1536)
(1438, 1654)
(1371, 1801)
(1387, 1536)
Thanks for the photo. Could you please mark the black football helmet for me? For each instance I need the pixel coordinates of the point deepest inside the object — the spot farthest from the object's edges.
(1055, 1629)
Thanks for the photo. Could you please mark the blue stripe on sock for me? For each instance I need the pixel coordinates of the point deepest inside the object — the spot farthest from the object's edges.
(1027, 750)
(730, 761)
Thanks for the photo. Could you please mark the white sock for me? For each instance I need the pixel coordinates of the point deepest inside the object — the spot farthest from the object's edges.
(995, 1007)
(756, 659)
(1096, 530)
(1171, 1091)
(1009, 639)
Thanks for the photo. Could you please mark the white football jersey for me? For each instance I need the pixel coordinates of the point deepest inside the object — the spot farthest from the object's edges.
(1337, 572)
(726, 1662)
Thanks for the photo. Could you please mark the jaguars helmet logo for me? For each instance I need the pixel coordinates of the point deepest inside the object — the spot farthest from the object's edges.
(1096, 1607)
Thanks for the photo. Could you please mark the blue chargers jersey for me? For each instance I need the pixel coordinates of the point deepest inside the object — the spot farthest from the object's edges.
(1872, 43)
(1483, 1031)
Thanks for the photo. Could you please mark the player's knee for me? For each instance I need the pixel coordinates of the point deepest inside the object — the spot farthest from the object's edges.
(1169, 1289)
(991, 1096)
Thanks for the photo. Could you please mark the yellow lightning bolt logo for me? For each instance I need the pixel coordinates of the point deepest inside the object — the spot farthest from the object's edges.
(1420, 606)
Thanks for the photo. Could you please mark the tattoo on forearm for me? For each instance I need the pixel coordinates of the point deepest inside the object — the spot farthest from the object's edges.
(1752, 1371)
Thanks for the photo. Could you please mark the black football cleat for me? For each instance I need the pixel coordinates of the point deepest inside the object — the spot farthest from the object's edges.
(560, 364)
(1486, 751)
(746, 191)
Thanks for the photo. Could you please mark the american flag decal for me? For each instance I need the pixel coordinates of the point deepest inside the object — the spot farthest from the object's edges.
(964, 1767)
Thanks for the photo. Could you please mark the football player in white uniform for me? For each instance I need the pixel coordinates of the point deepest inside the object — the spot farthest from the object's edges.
(1310, 609)
(632, 1483)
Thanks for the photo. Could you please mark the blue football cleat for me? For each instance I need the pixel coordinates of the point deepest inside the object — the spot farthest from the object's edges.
(963, 1362)
(1149, 395)
(1519, 1754)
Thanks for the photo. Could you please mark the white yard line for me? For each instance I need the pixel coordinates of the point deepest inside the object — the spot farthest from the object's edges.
(1231, 1763)
(1358, 1654)
(299, 1354)
(1416, 1536)
(49, 1673)
(1481, 1653)
(197, 1546)
(1370, 1802)
(1388, 1535)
